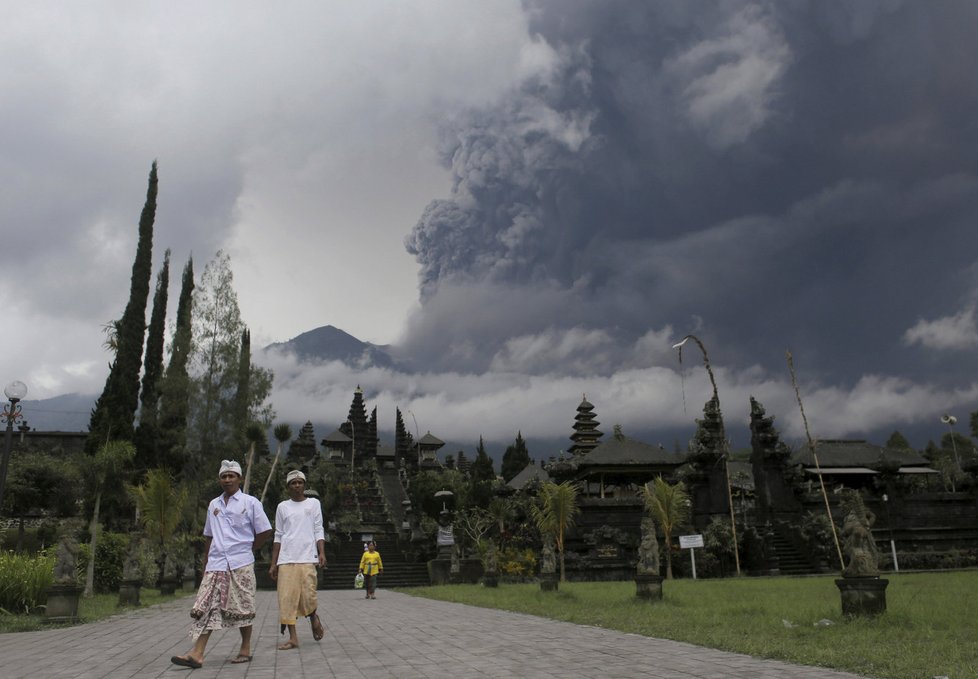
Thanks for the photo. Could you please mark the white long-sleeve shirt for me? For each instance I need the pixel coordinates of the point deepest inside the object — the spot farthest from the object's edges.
(298, 526)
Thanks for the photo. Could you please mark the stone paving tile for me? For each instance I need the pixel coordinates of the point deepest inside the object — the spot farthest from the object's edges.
(395, 636)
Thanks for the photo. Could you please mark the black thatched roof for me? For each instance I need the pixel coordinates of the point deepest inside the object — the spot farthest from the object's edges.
(855, 453)
(531, 472)
(623, 451)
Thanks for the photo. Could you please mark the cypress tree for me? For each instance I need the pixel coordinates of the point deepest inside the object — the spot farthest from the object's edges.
(515, 459)
(175, 386)
(112, 417)
(482, 469)
(146, 432)
(240, 414)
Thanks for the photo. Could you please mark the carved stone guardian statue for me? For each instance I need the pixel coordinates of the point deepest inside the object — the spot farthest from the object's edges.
(863, 591)
(648, 582)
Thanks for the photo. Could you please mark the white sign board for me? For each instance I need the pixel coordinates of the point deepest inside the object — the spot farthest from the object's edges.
(690, 541)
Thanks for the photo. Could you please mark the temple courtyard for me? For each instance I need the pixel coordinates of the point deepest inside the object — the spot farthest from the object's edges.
(396, 636)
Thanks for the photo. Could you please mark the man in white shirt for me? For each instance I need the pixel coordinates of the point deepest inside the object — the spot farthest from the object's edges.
(234, 529)
(299, 547)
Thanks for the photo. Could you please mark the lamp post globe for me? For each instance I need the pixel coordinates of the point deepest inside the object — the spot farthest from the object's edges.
(15, 392)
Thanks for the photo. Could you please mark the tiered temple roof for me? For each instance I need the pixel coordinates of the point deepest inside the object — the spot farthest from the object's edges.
(586, 434)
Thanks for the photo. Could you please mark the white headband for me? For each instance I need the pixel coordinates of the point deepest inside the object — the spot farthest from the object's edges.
(230, 466)
(294, 474)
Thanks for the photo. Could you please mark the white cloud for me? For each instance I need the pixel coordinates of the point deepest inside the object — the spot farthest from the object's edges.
(950, 332)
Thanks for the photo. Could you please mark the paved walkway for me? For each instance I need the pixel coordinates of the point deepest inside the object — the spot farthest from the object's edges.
(397, 637)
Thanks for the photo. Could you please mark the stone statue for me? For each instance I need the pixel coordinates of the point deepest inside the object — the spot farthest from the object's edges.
(548, 563)
(862, 558)
(130, 567)
(492, 558)
(446, 532)
(648, 549)
(65, 560)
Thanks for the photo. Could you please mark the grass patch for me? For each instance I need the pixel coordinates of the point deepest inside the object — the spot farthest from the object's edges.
(929, 628)
(90, 609)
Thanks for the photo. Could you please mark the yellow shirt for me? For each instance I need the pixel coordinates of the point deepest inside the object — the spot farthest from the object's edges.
(370, 563)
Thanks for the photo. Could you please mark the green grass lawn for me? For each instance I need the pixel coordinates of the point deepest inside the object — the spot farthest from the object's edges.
(89, 610)
(930, 627)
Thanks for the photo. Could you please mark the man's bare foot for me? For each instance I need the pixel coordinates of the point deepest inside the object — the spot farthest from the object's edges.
(288, 645)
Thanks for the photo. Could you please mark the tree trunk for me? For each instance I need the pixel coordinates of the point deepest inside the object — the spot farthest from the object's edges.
(270, 472)
(251, 456)
(668, 556)
(93, 528)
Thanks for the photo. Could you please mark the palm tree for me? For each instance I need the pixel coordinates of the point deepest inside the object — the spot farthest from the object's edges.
(501, 510)
(161, 508)
(254, 433)
(555, 513)
(108, 461)
(283, 433)
(669, 506)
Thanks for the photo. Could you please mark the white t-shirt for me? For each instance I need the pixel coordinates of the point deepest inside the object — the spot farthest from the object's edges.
(298, 526)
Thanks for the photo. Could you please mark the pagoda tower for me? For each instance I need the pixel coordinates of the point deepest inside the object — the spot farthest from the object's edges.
(359, 431)
(302, 450)
(586, 434)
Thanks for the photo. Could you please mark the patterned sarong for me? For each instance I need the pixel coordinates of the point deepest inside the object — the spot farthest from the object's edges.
(225, 599)
(296, 591)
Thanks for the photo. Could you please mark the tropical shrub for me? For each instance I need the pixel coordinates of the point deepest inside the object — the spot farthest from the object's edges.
(110, 557)
(24, 580)
(517, 565)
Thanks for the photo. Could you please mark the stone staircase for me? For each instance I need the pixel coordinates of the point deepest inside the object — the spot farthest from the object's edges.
(790, 560)
(378, 500)
(344, 559)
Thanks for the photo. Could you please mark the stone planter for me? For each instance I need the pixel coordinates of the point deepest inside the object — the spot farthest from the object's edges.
(548, 582)
(439, 571)
(129, 592)
(862, 596)
(168, 586)
(62, 603)
(648, 587)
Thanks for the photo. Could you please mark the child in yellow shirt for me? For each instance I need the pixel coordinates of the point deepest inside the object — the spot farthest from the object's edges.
(371, 566)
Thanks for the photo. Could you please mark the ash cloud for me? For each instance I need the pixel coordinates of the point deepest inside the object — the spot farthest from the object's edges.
(773, 175)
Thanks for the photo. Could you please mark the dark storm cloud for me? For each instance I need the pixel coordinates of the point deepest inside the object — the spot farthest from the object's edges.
(786, 174)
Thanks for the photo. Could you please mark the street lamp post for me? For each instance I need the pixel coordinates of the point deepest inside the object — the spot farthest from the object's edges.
(15, 392)
(725, 452)
(889, 525)
(950, 421)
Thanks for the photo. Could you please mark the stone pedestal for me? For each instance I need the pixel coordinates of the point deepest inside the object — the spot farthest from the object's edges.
(862, 596)
(548, 582)
(129, 592)
(648, 587)
(491, 579)
(440, 571)
(62, 603)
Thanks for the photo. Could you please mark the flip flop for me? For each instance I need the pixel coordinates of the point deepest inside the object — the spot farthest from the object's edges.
(186, 662)
(241, 658)
(318, 632)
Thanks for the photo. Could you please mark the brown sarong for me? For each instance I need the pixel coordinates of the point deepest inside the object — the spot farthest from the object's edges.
(225, 599)
(296, 591)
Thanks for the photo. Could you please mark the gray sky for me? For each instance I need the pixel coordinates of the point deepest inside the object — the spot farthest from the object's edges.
(532, 201)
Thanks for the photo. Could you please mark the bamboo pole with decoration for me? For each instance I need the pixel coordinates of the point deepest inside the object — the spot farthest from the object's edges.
(818, 468)
(724, 448)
